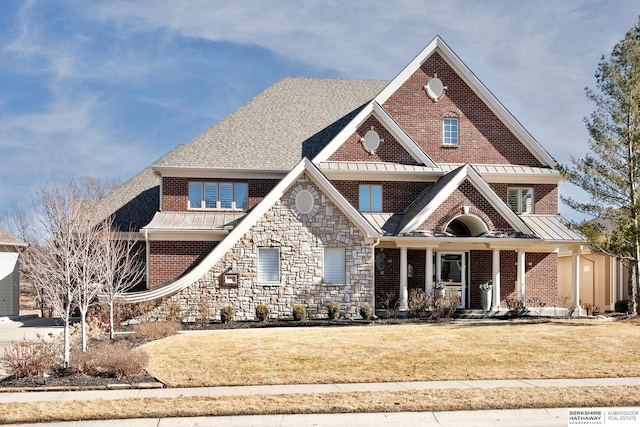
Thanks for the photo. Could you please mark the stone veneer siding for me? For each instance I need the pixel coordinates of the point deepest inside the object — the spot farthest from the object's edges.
(301, 239)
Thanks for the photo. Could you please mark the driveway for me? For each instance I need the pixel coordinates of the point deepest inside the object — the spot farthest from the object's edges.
(12, 330)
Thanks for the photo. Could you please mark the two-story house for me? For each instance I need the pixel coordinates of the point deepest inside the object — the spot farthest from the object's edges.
(354, 191)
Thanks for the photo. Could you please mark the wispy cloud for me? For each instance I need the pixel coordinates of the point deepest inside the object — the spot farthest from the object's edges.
(108, 86)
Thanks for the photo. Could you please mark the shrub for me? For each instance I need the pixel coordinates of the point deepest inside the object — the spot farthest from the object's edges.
(515, 305)
(31, 357)
(111, 360)
(443, 308)
(226, 314)
(299, 312)
(157, 330)
(333, 310)
(417, 302)
(262, 312)
(365, 312)
(622, 306)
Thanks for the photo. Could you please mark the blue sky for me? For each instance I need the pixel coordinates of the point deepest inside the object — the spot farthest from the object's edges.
(104, 88)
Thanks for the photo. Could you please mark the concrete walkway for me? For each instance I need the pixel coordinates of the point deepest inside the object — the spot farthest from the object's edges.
(36, 396)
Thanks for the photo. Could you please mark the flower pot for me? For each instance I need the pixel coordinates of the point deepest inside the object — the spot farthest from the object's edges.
(485, 299)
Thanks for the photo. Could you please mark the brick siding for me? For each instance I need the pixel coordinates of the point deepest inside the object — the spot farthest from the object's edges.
(483, 138)
(175, 191)
(170, 259)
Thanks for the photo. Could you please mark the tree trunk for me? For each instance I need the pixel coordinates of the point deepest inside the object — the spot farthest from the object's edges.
(83, 328)
(111, 326)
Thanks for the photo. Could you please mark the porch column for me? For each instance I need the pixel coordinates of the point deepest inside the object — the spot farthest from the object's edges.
(404, 282)
(522, 270)
(495, 279)
(575, 280)
(428, 280)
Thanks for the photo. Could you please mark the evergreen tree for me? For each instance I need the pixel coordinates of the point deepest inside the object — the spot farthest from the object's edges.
(610, 171)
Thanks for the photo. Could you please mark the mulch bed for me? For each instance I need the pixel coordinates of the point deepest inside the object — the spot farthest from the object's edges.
(63, 380)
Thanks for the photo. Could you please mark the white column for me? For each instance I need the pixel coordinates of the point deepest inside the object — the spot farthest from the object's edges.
(522, 270)
(428, 280)
(575, 279)
(404, 281)
(495, 279)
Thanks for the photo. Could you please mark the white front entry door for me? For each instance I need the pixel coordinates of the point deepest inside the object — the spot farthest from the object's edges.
(453, 274)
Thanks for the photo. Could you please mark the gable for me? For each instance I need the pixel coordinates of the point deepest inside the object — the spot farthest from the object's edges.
(483, 137)
(465, 200)
(390, 150)
(459, 191)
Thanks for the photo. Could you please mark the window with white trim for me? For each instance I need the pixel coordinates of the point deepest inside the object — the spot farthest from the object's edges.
(218, 195)
(450, 131)
(268, 265)
(520, 199)
(370, 198)
(334, 265)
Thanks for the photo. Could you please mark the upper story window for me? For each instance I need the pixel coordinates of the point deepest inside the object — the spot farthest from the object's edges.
(450, 131)
(520, 200)
(218, 195)
(370, 198)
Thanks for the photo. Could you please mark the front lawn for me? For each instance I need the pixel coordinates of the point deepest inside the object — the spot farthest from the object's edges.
(409, 352)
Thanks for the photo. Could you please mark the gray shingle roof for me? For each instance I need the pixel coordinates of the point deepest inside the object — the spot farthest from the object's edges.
(7, 238)
(292, 119)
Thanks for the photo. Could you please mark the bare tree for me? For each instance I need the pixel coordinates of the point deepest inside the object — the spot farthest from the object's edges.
(120, 265)
(51, 261)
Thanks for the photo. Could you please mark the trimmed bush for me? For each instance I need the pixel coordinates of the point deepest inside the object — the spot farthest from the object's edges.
(299, 312)
(365, 311)
(31, 357)
(262, 312)
(112, 360)
(417, 302)
(157, 330)
(333, 310)
(226, 314)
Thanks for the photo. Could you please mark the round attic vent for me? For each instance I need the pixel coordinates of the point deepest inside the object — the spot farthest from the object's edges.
(371, 140)
(435, 88)
(304, 201)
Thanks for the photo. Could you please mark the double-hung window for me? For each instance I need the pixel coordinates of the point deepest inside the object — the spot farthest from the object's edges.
(520, 199)
(268, 265)
(450, 131)
(370, 198)
(334, 266)
(218, 195)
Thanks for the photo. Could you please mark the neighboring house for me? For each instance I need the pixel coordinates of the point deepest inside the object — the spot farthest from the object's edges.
(354, 191)
(10, 247)
(603, 280)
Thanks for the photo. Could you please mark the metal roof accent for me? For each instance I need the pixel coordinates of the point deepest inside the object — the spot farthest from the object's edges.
(376, 167)
(194, 221)
(385, 223)
(551, 228)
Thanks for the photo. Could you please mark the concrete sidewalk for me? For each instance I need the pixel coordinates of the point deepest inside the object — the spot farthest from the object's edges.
(36, 396)
(557, 417)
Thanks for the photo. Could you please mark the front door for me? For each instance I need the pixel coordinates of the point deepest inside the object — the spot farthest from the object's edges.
(452, 273)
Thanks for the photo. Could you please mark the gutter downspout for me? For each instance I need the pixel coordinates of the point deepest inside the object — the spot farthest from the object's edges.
(373, 272)
(147, 251)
